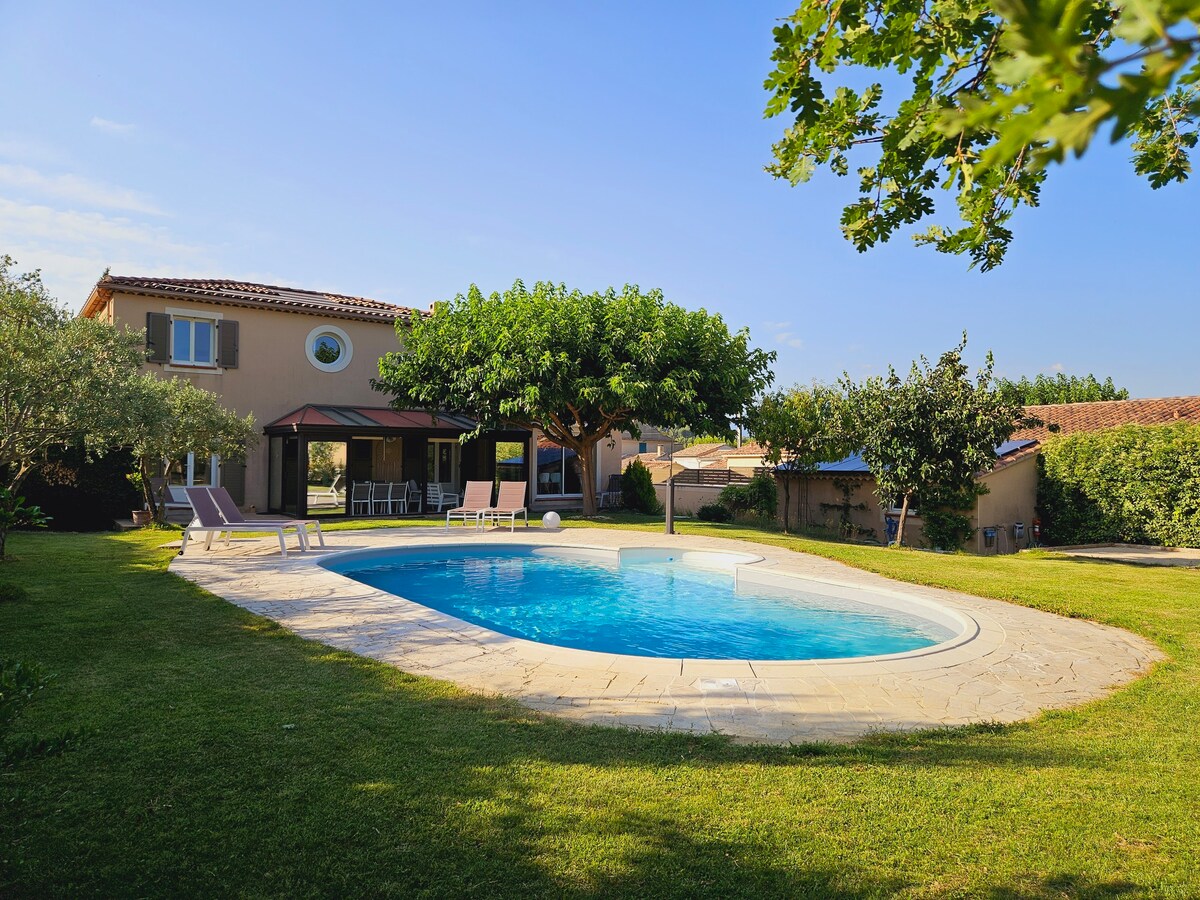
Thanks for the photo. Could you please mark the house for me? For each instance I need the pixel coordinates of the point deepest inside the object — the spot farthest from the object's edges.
(301, 362)
(652, 441)
(699, 456)
(841, 495)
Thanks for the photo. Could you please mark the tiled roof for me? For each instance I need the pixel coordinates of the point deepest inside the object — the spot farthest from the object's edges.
(241, 293)
(698, 450)
(369, 419)
(750, 448)
(1072, 417)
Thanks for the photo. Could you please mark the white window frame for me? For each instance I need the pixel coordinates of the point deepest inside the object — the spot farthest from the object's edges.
(214, 470)
(188, 365)
(337, 334)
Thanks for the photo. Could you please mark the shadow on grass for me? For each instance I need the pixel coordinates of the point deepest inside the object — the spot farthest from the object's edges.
(227, 755)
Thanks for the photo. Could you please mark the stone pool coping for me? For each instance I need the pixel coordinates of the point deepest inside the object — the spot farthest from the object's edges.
(1010, 662)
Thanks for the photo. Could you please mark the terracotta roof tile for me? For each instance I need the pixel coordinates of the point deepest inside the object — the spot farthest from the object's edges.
(700, 450)
(241, 293)
(1072, 417)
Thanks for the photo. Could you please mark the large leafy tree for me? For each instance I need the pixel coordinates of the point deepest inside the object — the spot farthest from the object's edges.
(981, 96)
(927, 435)
(1060, 389)
(576, 365)
(63, 381)
(800, 428)
(175, 418)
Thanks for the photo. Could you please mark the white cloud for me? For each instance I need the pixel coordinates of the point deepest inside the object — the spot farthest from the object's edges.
(1057, 368)
(72, 248)
(78, 190)
(110, 127)
(29, 150)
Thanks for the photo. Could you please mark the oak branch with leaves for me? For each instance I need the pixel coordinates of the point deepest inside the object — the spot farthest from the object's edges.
(983, 95)
(575, 366)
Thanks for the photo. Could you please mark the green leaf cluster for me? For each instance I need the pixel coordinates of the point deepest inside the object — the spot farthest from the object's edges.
(1137, 484)
(992, 91)
(574, 365)
(1059, 389)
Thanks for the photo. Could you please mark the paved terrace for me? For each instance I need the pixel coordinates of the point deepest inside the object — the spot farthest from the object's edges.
(1011, 663)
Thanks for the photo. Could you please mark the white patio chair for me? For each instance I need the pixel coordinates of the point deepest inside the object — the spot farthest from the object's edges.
(381, 497)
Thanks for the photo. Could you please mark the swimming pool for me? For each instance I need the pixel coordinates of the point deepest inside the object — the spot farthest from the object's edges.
(649, 602)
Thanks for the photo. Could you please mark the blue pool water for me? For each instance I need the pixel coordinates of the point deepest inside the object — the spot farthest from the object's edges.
(644, 608)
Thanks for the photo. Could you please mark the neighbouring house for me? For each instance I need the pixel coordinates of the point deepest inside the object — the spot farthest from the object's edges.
(841, 497)
(699, 456)
(652, 441)
(301, 362)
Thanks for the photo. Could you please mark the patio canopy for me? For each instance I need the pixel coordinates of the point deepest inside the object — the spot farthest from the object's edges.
(337, 421)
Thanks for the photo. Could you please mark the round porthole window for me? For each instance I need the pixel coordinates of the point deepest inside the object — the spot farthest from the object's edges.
(328, 348)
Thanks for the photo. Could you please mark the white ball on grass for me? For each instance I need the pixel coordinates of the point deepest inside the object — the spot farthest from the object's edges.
(551, 521)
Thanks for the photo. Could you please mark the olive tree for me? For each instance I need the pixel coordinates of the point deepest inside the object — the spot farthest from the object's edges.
(176, 418)
(981, 96)
(63, 381)
(927, 435)
(575, 366)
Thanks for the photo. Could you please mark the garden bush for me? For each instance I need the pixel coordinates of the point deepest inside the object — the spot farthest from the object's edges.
(758, 497)
(637, 489)
(714, 512)
(1137, 484)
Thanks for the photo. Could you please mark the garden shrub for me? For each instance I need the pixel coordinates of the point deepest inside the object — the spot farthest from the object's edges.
(714, 512)
(758, 496)
(1136, 484)
(10, 593)
(637, 489)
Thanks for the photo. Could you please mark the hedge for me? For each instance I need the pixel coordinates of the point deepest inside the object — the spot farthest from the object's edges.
(1134, 484)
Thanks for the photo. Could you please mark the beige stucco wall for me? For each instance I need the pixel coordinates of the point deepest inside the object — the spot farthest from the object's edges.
(1011, 498)
(274, 375)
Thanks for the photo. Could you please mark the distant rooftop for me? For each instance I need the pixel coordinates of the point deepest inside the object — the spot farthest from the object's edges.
(1072, 417)
(700, 450)
(247, 294)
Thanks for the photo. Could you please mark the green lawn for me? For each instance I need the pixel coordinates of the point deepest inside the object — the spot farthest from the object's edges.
(224, 756)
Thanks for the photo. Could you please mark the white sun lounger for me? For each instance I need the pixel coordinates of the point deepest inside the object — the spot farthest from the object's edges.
(509, 504)
(478, 496)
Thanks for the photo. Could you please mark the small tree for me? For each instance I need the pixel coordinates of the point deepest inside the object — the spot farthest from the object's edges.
(176, 418)
(575, 366)
(637, 489)
(63, 381)
(929, 434)
(800, 428)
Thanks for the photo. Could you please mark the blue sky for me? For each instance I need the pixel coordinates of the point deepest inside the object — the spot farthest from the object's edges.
(404, 151)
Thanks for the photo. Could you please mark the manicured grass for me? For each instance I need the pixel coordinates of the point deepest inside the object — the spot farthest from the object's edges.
(226, 756)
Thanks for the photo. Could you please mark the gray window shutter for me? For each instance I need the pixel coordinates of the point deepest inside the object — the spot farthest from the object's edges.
(158, 337)
(227, 344)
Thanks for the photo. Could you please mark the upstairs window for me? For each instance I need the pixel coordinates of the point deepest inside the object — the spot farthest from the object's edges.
(193, 341)
(196, 341)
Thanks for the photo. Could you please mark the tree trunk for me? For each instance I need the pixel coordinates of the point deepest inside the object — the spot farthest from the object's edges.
(587, 477)
(787, 499)
(148, 489)
(903, 519)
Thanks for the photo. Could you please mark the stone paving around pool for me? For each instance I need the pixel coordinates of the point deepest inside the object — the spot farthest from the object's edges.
(1010, 664)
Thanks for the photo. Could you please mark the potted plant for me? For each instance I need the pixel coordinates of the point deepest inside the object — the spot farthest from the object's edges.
(141, 517)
